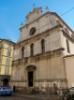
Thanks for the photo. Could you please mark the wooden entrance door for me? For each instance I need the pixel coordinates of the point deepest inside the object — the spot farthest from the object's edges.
(30, 78)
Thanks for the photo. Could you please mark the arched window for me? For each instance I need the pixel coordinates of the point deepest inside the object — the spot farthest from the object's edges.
(43, 45)
(68, 48)
(31, 49)
(22, 52)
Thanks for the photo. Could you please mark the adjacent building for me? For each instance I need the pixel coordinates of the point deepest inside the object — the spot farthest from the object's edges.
(6, 56)
(39, 55)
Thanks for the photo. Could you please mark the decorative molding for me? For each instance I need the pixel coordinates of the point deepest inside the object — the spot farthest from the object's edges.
(42, 80)
(39, 56)
(18, 80)
(33, 38)
(50, 80)
(31, 68)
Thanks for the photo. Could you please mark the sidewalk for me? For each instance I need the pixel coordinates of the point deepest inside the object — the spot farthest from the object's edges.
(37, 96)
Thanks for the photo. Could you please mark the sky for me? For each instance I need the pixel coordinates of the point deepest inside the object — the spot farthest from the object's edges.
(13, 12)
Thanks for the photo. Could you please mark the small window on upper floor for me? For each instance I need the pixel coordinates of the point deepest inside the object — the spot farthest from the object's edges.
(22, 51)
(43, 45)
(32, 49)
(68, 47)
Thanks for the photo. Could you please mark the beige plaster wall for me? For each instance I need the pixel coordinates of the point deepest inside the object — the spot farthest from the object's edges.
(69, 64)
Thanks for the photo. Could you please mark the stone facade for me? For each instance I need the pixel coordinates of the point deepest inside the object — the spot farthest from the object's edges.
(39, 53)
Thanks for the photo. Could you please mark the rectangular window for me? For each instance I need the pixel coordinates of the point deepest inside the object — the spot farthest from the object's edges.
(8, 61)
(8, 52)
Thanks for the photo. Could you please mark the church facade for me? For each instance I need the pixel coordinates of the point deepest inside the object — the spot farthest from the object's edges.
(39, 54)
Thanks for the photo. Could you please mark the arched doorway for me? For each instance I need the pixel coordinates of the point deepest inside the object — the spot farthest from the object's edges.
(5, 80)
(30, 75)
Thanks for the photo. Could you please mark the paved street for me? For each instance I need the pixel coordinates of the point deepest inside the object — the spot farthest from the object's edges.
(19, 98)
(28, 97)
(16, 98)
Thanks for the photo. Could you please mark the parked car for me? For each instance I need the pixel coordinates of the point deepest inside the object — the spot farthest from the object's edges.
(71, 90)
(70, 94)
(5, 91)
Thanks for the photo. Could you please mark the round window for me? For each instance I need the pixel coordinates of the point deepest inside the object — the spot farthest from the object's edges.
(32, 30)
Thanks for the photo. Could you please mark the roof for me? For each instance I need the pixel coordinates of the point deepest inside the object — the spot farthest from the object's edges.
(6, 40)
(63, 22)
(52, 13)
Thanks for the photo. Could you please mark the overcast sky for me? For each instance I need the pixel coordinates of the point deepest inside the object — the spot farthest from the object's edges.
(13, 12)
